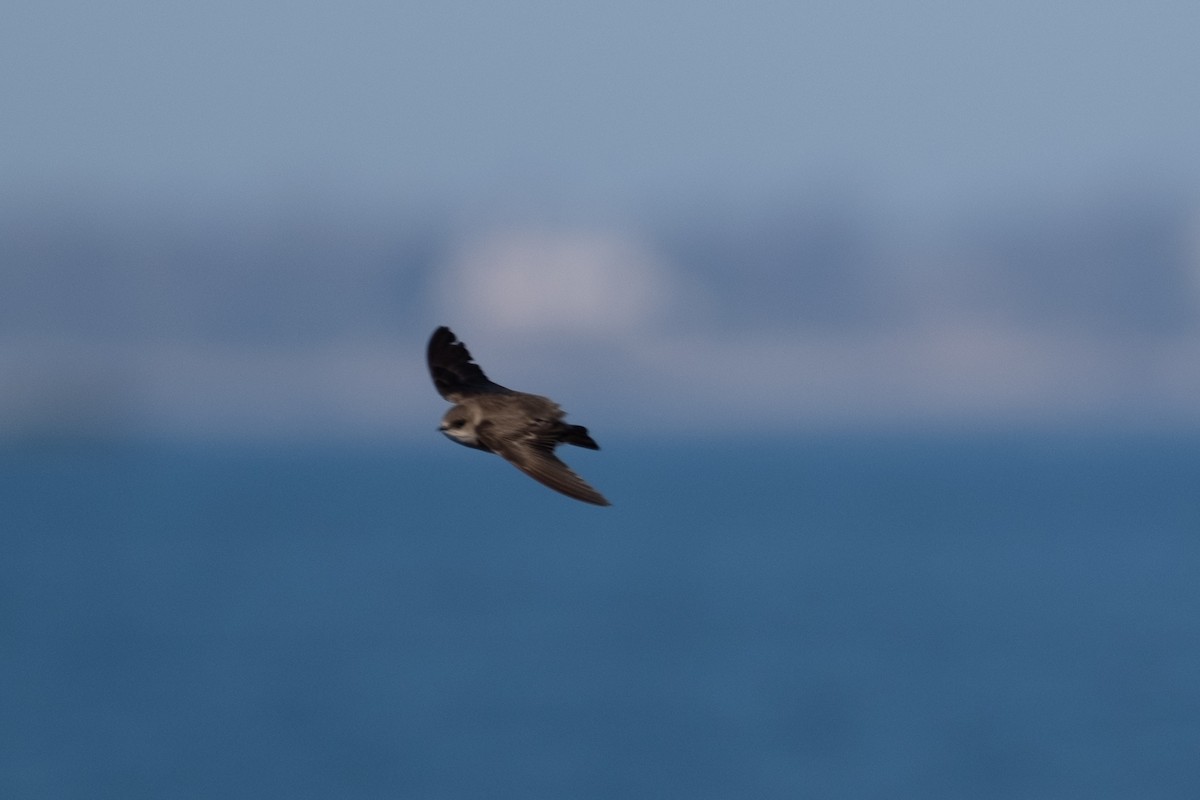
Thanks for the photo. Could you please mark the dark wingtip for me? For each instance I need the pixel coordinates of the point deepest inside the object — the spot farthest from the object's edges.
(438, 341)
(578, 436)
(594, 498)
(453, 369)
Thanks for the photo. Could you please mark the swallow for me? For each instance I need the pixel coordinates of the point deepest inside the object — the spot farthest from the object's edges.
(523, 429)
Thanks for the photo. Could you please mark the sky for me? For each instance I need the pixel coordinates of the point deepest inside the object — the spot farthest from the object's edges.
(573, 157)
(925, 103)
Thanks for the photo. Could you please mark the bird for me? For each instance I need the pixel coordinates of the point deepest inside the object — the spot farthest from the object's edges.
(523, 429)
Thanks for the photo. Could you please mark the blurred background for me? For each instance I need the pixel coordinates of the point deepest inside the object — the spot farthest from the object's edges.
(886, 315)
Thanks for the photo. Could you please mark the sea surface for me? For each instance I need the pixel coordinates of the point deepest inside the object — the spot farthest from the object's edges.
(982, 616)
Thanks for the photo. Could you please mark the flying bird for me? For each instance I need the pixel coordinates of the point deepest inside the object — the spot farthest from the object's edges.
(521, 428)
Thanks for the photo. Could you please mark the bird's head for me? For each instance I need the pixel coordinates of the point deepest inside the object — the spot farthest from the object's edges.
(458, 426)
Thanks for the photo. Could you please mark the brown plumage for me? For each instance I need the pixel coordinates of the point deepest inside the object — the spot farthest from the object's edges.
(524, 429)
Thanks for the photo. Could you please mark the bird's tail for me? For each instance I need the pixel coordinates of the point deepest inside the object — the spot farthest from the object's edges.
(578, 436)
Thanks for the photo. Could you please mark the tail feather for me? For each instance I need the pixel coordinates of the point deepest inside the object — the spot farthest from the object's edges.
(578, 436)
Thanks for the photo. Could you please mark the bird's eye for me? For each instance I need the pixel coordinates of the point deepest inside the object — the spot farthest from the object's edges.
(458, 423)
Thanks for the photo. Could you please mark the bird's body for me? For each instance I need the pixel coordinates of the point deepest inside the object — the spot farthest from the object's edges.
(522, 428)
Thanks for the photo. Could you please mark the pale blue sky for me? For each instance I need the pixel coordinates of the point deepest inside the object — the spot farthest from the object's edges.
(920, 105)
(367, 169)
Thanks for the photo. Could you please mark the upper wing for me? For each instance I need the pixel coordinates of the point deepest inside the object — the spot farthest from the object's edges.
(535, 457)
(454, 374)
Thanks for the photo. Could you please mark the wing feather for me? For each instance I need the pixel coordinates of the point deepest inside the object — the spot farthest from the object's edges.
(454, 372)
(535, 457)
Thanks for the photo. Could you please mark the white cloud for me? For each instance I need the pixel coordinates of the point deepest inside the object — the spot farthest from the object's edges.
(560, 282)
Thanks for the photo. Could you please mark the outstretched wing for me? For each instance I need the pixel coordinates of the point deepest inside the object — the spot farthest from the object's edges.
(454, 374)
(535, 457)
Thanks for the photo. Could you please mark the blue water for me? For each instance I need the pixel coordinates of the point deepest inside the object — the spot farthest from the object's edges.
(903, 617)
